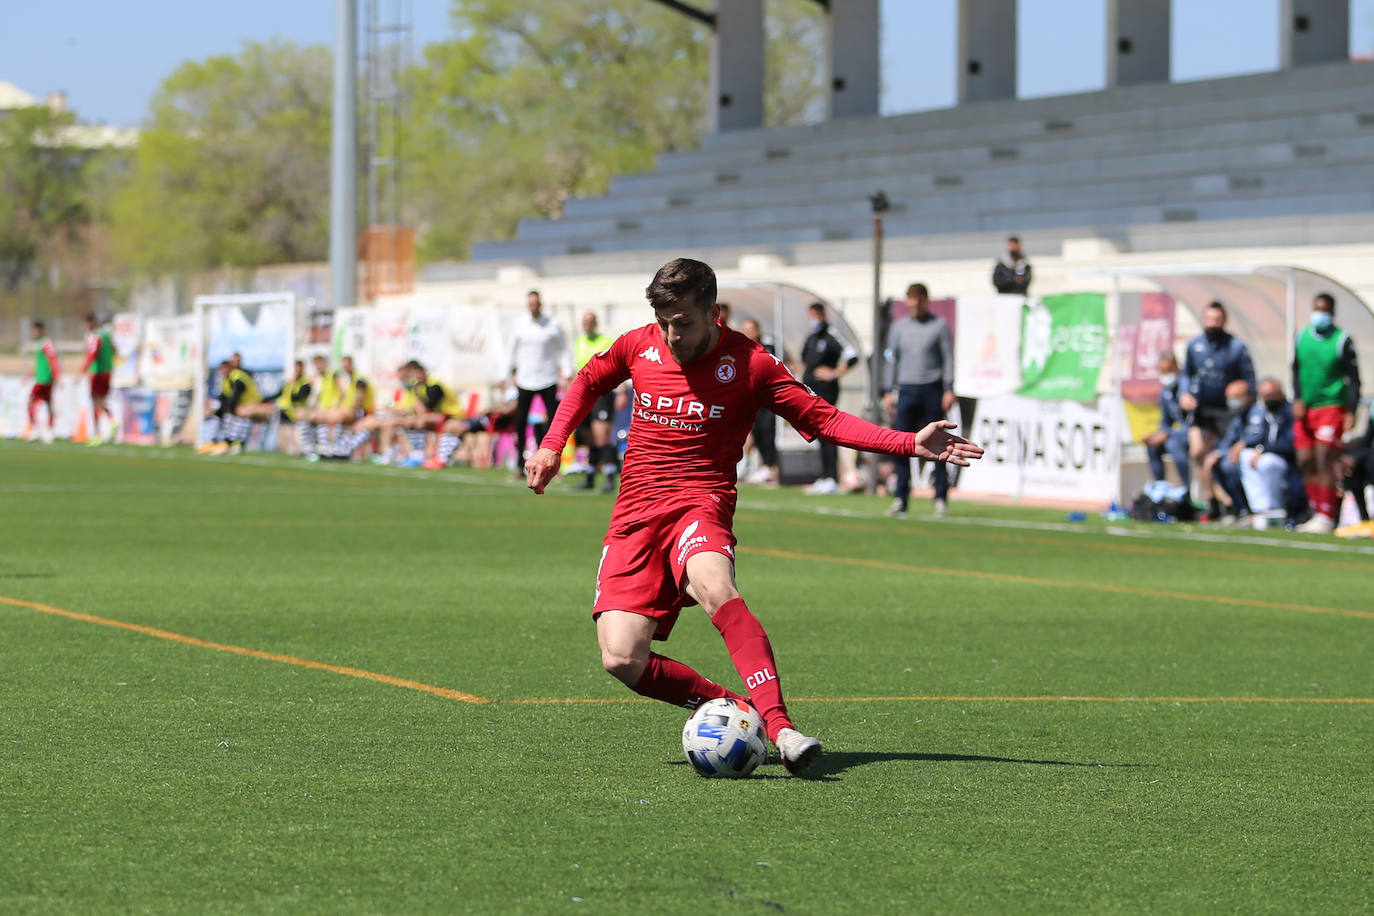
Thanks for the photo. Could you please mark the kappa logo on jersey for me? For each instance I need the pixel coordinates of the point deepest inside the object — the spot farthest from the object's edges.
(651, 354)
(726, 370)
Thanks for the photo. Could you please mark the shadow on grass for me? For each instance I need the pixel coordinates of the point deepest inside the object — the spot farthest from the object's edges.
(833, 763)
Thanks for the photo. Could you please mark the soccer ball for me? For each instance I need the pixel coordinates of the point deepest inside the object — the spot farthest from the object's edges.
(724, 738)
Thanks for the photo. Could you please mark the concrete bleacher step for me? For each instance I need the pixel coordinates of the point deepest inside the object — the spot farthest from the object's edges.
(1299, 139)
(861, 178)
(1119, 100)
(1167, 176)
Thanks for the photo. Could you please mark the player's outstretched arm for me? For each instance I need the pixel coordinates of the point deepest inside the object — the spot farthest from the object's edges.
(540, 469)
(935, 442)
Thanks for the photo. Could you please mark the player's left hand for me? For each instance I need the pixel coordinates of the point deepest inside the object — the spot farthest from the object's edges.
(1348, 422)
(936, 443)
(540, 468)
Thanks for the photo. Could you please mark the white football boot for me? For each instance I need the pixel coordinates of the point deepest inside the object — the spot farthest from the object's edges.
(797, 750)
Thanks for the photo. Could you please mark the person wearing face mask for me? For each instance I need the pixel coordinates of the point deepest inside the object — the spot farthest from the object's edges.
(1326, 393)
(918, 382)
(1214, 359)
(825, 361)
(1226, 497)
(1267, 460)
(1012, 272)
(1172, 435)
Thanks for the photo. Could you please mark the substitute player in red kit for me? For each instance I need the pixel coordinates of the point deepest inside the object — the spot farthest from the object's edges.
(697, 386)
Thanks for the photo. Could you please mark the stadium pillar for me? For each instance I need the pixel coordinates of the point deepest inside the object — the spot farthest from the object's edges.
(1313, 32)
(987, 50)
(852, 58)
(737, 56)
(1138, 44)
(343, 164)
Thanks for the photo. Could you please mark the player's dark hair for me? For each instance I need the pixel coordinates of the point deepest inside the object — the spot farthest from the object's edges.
(816, 307)
(1014, 238)
(680, 280)
(1218, 306)
(92, 318)
(1329, 299)
(414, 365)
(38, 324)
(918, 289)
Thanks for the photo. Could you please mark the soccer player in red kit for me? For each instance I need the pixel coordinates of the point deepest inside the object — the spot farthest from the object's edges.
(697, 386)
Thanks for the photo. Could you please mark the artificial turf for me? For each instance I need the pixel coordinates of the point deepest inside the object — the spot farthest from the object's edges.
(1199, 769)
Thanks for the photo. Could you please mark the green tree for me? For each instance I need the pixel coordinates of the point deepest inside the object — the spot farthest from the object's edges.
(531, 106)
(232, 167)
(43, 204)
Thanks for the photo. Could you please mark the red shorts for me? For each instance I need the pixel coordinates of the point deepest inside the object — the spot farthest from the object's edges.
(100, 385)
(644, 560)
(41, 393)
(1320, 424)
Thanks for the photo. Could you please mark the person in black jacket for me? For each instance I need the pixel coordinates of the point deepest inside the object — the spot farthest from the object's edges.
(824, 361)
(1357, 466)
(1012, 273)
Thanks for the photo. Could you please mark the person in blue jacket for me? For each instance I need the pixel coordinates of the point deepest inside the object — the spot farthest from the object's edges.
(1172, 436)
(1268, 461)
(1213, 361)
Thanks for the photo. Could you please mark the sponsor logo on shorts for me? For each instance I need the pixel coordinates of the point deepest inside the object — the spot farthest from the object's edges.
(688, 541)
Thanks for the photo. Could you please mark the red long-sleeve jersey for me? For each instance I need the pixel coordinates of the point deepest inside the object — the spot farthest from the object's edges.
(689, 422)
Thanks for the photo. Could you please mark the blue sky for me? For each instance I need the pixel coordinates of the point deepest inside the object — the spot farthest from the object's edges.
(110, 56)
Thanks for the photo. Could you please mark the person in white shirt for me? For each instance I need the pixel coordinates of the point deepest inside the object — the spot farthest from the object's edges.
(540, 361)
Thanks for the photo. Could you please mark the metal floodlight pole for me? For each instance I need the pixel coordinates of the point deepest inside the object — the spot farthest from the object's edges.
(343, 171)
(880, 206)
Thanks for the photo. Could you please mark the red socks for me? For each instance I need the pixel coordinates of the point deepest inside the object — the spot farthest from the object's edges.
(673, 682)
(1322, 499)
(752, 654)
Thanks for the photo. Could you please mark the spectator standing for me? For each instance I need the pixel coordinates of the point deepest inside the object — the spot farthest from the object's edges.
(1012, 272)
(1268, 463)
(595, 431)
(918, 386)
(540, 361)
(1213, 361)
(45, 374)
(1326, 393)
(765, 432)
(1172, 435)
(824, 362)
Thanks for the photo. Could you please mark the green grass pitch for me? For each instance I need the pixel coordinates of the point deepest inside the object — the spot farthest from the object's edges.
(1193, 771)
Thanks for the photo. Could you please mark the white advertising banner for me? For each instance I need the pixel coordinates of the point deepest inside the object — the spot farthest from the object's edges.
(14, 405)
(477, 360)
(170, 356)
(987, 346)
(126, 331)
(353, 337)
(1046, 449)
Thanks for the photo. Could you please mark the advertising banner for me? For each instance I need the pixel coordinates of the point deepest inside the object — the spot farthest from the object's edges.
(987, 346)
(351, 332)
(126, 330)
(1063, 346)
(261, 332)
(170, 355)
(1046, 449)
(1146, 332)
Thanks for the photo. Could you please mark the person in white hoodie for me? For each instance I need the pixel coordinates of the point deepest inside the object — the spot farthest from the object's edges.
(540, 361)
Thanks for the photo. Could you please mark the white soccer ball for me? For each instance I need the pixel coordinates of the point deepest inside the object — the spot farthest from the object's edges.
(724, 738)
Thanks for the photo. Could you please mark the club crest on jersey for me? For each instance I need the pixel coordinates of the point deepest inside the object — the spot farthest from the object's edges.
(651, 354)
(725, 371)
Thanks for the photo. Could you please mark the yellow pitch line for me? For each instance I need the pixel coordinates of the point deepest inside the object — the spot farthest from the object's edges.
(1053, 583)
(959, 699)
(444, 692)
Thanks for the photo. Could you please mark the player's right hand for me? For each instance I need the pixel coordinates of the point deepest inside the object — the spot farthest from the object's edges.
(540, 468)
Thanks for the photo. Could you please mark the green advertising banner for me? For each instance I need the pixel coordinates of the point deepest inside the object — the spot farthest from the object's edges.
(1063, 346)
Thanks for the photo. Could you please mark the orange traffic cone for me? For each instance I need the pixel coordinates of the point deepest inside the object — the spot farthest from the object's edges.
(83, 431)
